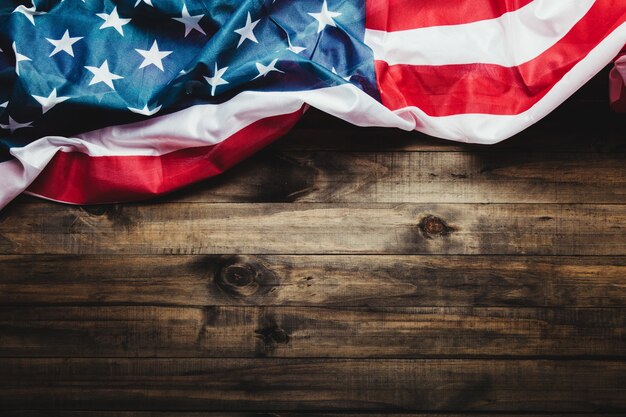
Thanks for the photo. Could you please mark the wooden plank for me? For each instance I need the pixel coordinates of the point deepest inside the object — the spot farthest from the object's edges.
(92, 413)
(309, 332)
(199, 228)
(418, 177)
(330, 384)
(322, 281)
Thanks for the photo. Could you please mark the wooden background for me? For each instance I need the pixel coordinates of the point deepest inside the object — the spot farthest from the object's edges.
(341, 271)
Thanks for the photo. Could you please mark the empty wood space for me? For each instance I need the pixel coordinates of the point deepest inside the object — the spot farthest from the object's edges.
(342, 271)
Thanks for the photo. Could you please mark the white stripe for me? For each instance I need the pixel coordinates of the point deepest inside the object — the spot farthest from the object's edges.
(191, 127)
(489, 129)
(15, 177)
(509, 40)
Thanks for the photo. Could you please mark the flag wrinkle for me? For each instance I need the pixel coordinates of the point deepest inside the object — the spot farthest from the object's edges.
(105, 100)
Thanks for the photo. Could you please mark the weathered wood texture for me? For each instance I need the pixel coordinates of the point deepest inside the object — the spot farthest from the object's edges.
(176, 228)
(340, 272)
(508, 176)
(310, 332)
(319, 281)
(289, 384)
(92, 413)
(421, 177)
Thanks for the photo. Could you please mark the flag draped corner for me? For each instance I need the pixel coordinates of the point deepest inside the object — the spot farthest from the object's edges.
(617, 84)
(118, 100)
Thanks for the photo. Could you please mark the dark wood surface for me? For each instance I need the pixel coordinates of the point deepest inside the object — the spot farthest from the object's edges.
(340, 272)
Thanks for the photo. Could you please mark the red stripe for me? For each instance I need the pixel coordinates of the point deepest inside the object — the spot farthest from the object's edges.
(75, 177)
(493, 89)
(394, 15)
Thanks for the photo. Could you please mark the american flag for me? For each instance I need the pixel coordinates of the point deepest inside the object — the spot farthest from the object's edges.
(109, 101)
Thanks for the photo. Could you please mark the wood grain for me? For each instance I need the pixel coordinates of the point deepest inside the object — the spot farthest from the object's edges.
(419, 177)
(295, 384)
(319, 281)
(91, 413)
(316, 228)
(308, 332)
(416, 177)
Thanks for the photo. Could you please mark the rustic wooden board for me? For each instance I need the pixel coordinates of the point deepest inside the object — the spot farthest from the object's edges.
(91, 413)
(419, 177)
(175, 228)
(319, 281)
(308, 332)
(295, 384)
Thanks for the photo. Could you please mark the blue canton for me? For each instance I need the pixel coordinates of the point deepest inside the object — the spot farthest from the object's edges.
(76, 65)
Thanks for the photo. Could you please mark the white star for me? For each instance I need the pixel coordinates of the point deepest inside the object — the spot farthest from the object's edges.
(324, 17)
(113, 20)
(19, 58)
(190, 22)
(64, 44)
(153, 56)
(4, 105)
(295, 49)
(103, 75)
(246, 32)
(49, 102)
(145, 111)
(13, 125)
(29, 12)
(264, 70)
(217, 79)
(334, 71)
(148, 2)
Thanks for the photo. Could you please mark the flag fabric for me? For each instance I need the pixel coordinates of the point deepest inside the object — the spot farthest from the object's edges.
(617, 83)
(110, 101)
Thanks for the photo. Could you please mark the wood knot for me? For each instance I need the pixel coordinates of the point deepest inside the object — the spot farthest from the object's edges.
(434, 226)
(241, 277)
(114, 213)
(238, 275)
(273, 335)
